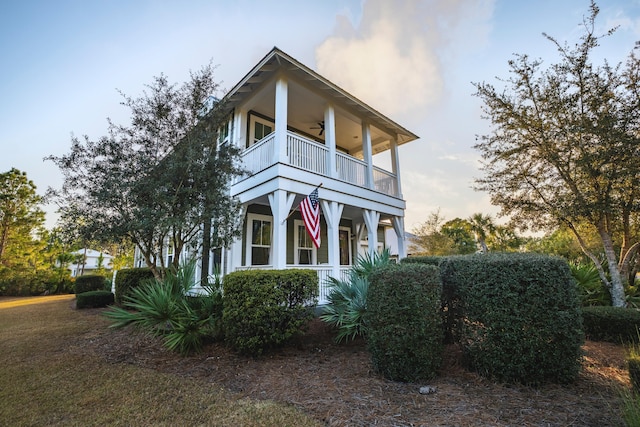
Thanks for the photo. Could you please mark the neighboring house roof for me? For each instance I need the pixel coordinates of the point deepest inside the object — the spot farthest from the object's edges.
(305, 80)
(92, 253)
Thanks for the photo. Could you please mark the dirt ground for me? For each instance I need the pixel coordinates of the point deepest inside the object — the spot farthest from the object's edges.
(335, 384)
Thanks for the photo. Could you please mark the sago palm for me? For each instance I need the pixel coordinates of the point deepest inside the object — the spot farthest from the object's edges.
(348, 298)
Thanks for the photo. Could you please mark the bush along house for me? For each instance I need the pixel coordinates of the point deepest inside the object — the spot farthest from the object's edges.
(313, 197)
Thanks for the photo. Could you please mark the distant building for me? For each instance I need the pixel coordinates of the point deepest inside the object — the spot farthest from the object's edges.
(93, 260)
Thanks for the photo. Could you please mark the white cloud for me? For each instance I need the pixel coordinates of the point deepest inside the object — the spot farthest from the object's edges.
(393, 58)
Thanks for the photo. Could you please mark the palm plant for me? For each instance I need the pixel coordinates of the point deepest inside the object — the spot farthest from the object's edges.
(590, 287)
(170, 309)
(348, 298)
(346, 308)
(482, 226)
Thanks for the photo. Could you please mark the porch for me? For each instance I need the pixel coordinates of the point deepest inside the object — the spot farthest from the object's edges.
(311, 156)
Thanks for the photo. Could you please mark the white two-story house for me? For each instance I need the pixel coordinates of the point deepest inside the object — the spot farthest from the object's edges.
(299, 131)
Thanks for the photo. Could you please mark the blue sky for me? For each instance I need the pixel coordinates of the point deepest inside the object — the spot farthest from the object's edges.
(63, 60)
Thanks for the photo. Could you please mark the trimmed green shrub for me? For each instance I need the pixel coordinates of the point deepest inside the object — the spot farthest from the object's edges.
(404, 323)
(94, 299)
(89, 282)
(171, 310)
(129, 278)
(521, 316)
(450, 295)
(265, 308)
(611, 324)
(427, 259)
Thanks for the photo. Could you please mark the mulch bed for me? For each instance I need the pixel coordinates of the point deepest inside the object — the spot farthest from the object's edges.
(335, 384)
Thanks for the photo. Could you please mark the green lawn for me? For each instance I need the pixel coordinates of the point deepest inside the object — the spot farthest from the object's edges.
(44, 382)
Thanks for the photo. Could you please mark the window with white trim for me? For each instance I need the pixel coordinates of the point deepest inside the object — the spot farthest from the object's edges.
(258, 239)
(305, 251)
(224, 132)
(259, 128)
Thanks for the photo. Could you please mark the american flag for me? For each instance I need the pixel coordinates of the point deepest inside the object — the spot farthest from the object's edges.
(310, 208)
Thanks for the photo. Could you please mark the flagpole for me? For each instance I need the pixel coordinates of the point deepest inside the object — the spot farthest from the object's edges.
(292, 212)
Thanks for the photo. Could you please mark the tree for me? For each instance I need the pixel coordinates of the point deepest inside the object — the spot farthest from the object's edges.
(428, 238)
(459, 231)
(436, 237)
(158, 180)
(20, 213)
(23, 268)
(482, 226)
(565, 149)
(562, 242)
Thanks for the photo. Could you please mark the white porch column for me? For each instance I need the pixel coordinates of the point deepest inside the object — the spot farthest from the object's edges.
(330, 138)
(281, 119)
(332, 214)
(234, 258)
(395, 165)
(371, 219)
(398, 227)
(280, 203)
(367, 154)
(240, 129)
(359, 233)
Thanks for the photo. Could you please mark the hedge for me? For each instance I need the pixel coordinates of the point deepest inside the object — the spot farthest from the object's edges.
(516, 316)
(129, 278)
(94, 299)
(405, 337)
(89, 282)
(265, 308)
(612, 324)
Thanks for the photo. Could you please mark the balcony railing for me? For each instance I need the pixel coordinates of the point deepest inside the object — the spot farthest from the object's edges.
(314, 157)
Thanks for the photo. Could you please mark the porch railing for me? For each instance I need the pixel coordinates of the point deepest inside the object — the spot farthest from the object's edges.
(260, 155)
(307, 155)
(314, 157)
(351, 169)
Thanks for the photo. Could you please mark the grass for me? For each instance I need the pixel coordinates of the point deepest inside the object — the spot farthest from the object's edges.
(44, 382)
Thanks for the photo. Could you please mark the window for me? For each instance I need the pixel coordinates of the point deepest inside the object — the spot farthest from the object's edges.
(305, 250)
(258, 239)
(344, 237)
(223, 132)
(259, 128)
(169, 254)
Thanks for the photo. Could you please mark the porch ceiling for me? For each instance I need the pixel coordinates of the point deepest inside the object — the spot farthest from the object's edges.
(308, 92)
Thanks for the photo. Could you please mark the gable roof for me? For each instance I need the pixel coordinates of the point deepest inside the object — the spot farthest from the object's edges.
(277, 60)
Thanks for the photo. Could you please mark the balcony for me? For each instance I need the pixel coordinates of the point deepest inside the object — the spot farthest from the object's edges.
(313, 157)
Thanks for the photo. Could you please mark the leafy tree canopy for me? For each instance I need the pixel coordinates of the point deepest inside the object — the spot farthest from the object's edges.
(565, 148)
(20, 214)
(157, 180)
(463, 236)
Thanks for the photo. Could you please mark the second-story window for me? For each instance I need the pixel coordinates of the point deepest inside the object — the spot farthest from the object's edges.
(223, 133)
(259, 128)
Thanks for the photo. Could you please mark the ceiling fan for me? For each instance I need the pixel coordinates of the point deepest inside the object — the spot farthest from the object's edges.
(319, 126)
